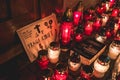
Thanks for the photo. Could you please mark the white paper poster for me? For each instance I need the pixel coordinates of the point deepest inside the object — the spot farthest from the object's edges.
(38, 35)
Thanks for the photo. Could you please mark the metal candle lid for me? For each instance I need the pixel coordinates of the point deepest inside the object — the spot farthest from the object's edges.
(47, 73)
(41, 53)
(54, 45)
(61, 68)
(103, 60)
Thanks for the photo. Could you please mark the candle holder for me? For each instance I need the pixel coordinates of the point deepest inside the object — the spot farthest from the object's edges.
(101, 66)
(54, 52)
(66, 27)
(116, 69)
(74, 61)
(114, 49)
(115, 12)
(101, 8)
(79, 34)
(60, 72)
(88, 28)
(101, 37)
(97, 24)
(90, 14)
(105, 18)
(78, 14)
(46, 74)
(42, 59)
(86, 72)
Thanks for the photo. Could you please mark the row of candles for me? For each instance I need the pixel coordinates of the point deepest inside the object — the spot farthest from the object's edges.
(105, 16)
(74, 26)
(62, 71)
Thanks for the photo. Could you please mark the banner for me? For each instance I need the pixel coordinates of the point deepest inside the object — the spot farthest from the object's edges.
(38, 35)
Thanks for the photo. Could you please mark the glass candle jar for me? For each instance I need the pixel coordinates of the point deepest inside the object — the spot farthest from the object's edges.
(74, 62)
(79, 34)
(88, 28)
(78, 14)
(42, 59)
(86, 72)
(46, 74)
(101, 65)
(116, 69)
(60, 72)
(101, 37)
(105, 18)
(114, 49)
(54, 52)
(97, 24)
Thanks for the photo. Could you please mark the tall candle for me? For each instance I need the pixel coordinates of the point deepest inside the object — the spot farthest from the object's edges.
(66, 31)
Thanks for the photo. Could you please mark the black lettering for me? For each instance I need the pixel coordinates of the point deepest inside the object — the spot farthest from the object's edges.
(50, 22)
(46, 24)
(37, 28)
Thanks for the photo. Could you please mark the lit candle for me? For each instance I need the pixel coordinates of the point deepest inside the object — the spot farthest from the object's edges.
(66, 31)
(60, 72)
(101, 66)
(79, 34)
(107, 5)
(101, 9)
(101, 37)
(54, 52)
(74, 62)
(86, 72)
(119, 22)
(114, 49)
(97, 24)
(46, 74)
(77, 16)
(116, 27)
(105, 18)
(42, 59)
(88, 28)
(115, 13)
(108, 33)
(111, 2)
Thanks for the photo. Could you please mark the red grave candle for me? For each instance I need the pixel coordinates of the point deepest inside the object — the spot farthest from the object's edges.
(115, 13)
(60, 72)
(66, 31)
(111, 2)
(88, 28)
(97, 24)
(77, 16)
(42, 59)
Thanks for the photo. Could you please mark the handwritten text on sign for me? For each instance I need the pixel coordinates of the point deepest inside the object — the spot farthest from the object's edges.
(38, 35)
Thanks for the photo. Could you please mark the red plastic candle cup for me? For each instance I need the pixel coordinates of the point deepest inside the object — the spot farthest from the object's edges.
(66, 31)
(77, 16)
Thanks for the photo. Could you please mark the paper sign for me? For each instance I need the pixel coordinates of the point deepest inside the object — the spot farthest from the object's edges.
(38, 35)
